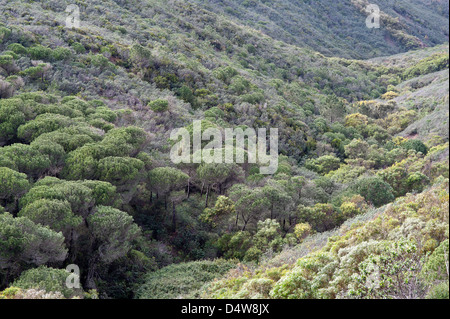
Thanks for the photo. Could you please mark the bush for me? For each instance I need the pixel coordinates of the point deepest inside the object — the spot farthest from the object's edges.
(435, 268)
(6, 91)
(389, 95)
(374, 190)
(321, 217)
(48, 279)
(118, 170)
(159, 105)
(417, 182)
(140, 56)
(267, 237)
(40, 52)
(324, 164)
(17, 48)
(35, 72)
(439, 291)
(4, 33)
(302, 231)
(182, 280)
(61, 54)
(433, 63)
(100, 61)
(6, 60)
(235, 246)
(78, 47)
(356, 120)
(43, 123)
(12, 184)
(17, 293)
(416, 145)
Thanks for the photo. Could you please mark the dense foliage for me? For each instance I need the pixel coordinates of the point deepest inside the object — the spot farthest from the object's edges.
(358, 207)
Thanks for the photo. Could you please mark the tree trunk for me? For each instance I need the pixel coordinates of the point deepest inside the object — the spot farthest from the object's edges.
(174, 217)
(245, 225)
(245, 221)
(90, 282)
(71, 246)
(189, 189)
(207, 196)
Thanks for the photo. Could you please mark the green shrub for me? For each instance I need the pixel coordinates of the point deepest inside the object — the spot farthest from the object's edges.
(78, 47)
(433, 63)
(324, 164)
(417, 182)
(374, 190)
(40, 52)
(159, 105)
(34, 72)
(439, 291)
(182, 280)
(416, 145)
(48, 279)
(17, 48)
(6, 59)
(100, 61)
(4, 33)
(61, 54)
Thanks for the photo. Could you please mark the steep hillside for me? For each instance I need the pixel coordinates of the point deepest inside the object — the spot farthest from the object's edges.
(376, 255)
(205, 60)
(338, 28)
(424, 90)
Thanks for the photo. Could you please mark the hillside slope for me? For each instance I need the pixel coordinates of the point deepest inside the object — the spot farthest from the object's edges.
(376, 255)
(427, 94)
(337, 28)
